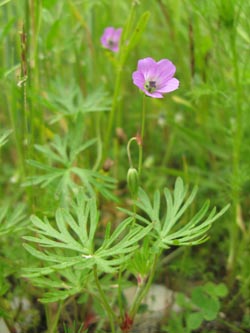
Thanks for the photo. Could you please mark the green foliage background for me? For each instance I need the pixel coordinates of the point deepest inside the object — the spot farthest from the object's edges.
(58, 88)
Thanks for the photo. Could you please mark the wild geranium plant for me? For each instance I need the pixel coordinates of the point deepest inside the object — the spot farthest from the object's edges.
(76, 91)
(75, 260)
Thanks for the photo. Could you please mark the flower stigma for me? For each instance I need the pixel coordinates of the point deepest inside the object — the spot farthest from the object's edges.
(150, 86)
(111, 43)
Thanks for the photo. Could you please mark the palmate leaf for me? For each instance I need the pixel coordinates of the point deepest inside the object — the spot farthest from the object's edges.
(67, 100)
(70, 241)
(128, 242)
(167, 229)
(96, 182)
(65, 175)
(12, 220)
(69, 233)
(61, 151)
(60, 286)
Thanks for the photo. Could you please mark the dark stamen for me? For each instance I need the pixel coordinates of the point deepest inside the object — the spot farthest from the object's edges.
(150, 86)
(111, 43)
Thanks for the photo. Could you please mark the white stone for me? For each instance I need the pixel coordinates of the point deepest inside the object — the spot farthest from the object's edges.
(159, 301)
(3, 327)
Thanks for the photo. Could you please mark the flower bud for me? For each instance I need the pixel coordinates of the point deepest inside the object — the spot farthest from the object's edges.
(133, 181)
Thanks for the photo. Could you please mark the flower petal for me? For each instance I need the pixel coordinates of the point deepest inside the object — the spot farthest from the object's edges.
(155, 78)
(171, 85)
(165, 72)
(138, 79)
(107, 34)
(147, 67)
(155, 94)
(166, 66)
(110, 38)
(116, 35)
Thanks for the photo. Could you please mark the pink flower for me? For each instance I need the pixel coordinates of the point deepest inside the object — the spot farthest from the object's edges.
(111, 38)
(155, 78)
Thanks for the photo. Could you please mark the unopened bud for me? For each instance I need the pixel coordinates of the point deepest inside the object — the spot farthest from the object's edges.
(133, 181)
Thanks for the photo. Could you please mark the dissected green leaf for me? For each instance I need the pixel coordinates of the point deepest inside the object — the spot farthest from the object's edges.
(168, 230)
(66, 99)
(12, 219)
(70, 243)
(62, 172)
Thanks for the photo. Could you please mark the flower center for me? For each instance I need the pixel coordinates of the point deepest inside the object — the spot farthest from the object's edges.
(150, 86)
(111, 43)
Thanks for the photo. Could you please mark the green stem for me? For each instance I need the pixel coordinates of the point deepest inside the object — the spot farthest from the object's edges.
(33, 24)
(142, 134)
(99, 142)
(52, 321)
(120, 295)
(234, 229)
(234, 328)
(113, 109)
(128, 151)
(170, 257)
(106, 305)
(122, 56)
(143, 290)
(131, 166)
(17, 131)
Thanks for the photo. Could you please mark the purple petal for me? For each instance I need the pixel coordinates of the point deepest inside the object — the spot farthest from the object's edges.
(167, 66)
(161, 73)
(114, 48)
(171, 85)
(138, 79)
(147, 67)
(165, 72)
(110, 38)
(155, 94)
(108, 32)
(116, 35)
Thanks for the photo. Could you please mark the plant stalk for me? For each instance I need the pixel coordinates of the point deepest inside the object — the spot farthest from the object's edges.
(106, 305)
(142, 134)
(143, 290)
(52, 322)
(236, 184)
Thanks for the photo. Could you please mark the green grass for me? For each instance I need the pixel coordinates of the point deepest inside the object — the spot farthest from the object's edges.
(62, 98)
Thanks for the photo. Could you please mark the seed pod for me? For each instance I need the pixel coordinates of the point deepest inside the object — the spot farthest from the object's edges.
(133, 181)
